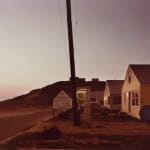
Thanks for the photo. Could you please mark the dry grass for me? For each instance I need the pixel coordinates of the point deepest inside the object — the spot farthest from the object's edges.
(110, 133)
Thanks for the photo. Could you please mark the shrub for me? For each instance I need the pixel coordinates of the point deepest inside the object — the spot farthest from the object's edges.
(52, 133)
(63, 116)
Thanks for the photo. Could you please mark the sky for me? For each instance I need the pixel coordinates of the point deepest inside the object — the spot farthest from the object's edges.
(108, 36)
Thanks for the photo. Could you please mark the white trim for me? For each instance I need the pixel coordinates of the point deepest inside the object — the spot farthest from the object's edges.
(136, 106)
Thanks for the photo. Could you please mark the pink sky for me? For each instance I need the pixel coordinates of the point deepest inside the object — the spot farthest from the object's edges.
(10, 91)
(34, 50)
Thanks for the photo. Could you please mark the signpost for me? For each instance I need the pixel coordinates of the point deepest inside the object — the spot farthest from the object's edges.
(83, 95)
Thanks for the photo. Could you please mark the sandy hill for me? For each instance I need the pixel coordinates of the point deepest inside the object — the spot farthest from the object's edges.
(37, 98)
(43, 97)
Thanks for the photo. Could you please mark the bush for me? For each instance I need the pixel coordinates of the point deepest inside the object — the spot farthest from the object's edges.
(145, 113)
(63, 116)
(69, 111)
(105, 111)
(123, 114)
(52, 133)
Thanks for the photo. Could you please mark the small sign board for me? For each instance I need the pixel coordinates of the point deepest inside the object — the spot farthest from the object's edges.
(62, 101)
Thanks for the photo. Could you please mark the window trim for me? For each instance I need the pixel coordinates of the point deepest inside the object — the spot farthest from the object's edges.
(135, 99)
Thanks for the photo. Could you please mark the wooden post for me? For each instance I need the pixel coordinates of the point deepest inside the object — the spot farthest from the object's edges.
(72, 65)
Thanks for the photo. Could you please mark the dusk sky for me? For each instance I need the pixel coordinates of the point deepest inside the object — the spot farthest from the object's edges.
(108, 35)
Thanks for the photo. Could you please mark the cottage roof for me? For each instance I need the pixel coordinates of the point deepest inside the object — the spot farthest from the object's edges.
(65, 86)
(115, 86)
(96, 85)
(142, 71)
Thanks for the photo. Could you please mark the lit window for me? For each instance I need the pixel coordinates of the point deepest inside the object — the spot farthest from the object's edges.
(80, 95)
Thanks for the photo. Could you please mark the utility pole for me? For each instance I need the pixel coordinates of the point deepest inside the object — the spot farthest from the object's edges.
(72, 65)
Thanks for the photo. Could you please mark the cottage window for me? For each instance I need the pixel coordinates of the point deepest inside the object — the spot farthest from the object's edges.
(93, 99)
(135, 98)
(125, 97)
(102, 102)
(129, 79)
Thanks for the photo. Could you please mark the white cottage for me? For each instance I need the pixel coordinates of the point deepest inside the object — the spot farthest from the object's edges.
(136, 89)
(112, 95)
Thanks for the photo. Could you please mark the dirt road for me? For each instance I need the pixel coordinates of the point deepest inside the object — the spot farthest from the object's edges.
(13, 123)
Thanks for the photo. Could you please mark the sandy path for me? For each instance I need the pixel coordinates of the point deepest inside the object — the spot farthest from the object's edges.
(11, 124)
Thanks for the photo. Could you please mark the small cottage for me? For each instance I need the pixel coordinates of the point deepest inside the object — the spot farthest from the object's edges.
(112, 95)
(96, 89)
(136, 89)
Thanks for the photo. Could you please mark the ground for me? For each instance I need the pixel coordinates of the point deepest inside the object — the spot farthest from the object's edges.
(14, 121)
(105, 133)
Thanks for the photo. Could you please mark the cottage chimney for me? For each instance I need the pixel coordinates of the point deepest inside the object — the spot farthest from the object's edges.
(95, 80)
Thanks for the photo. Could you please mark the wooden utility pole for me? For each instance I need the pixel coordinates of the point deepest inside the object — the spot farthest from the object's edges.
(76, 121)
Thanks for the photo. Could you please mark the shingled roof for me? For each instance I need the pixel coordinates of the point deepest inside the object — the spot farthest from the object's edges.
(115, 86)
(142, 72)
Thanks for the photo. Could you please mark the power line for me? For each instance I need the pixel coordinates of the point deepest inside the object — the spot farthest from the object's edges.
(76, 22)
(61, 21)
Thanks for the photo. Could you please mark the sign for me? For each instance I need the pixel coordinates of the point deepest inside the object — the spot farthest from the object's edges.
(82, 95)
(62, 101)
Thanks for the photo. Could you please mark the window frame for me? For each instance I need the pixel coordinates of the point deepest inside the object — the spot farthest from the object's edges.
(135, 98)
